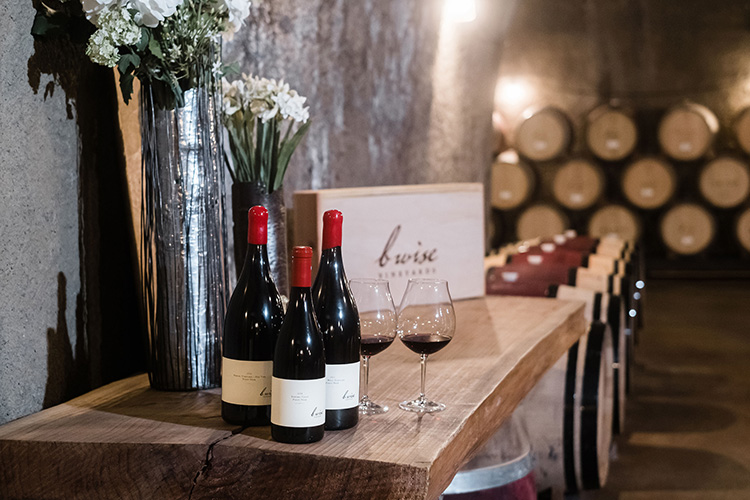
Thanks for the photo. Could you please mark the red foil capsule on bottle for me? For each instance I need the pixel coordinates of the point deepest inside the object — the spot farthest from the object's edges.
(332, 222)
(302, 266)
(257, 225)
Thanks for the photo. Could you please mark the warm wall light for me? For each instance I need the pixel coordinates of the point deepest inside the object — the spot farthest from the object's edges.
(511, 92)
(460, 11)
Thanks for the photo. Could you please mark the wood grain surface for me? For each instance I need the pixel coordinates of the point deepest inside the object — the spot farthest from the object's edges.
(128, 441)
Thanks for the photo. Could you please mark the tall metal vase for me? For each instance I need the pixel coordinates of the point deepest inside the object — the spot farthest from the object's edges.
(246, 195)
(183, 253)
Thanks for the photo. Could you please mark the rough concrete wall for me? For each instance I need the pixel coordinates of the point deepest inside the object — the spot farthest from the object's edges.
(39, 249)
(396, 97)
(68, 312)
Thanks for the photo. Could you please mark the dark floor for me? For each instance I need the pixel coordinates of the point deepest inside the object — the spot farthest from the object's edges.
(688, 421)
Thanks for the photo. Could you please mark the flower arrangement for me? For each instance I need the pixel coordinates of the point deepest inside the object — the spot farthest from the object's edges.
(170, 44)
(255, 111)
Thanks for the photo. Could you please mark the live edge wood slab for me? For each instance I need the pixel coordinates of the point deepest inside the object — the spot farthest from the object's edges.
(127, 441)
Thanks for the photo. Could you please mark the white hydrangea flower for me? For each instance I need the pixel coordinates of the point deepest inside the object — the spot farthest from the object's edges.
(152, 12)
(93, 9)
(101, 50)
(120, 27)
(238, 11)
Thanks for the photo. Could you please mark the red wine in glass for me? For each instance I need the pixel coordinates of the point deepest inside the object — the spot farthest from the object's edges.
(377, 319)
(425, 343)
(375, 345)
(426, 323)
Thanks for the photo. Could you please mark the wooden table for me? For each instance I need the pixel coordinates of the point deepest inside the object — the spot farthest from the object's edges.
(127, 441)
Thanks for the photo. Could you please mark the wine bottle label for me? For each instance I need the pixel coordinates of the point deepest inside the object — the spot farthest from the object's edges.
(298, 403)
(342, 386)
(586, 278)
(246, 382)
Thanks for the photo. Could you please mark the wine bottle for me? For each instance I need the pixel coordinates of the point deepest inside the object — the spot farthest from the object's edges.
(251, 325)
(339, 323)
(299, 370)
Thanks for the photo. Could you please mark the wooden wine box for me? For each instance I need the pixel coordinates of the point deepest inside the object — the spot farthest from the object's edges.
(402, 232)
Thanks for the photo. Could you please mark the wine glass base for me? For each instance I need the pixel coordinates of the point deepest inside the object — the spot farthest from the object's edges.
(370, 408)
(420, 406)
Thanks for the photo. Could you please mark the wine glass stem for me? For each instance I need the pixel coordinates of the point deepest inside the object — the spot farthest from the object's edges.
(366, 378)
(423, 364)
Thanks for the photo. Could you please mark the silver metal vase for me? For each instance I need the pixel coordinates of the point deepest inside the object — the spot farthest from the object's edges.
(246, 195)
(183, 248)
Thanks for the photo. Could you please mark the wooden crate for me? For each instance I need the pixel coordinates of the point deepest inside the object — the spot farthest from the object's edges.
(401, 232)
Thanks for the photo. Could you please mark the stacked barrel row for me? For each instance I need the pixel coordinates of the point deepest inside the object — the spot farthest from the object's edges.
(672, 187)
(573, 412)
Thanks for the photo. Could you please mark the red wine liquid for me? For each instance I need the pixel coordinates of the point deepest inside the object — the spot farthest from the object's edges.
(371, 346)
(425, 343)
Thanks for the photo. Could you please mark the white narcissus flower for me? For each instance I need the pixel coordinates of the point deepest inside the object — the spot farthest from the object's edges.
(232, 95)
(152, 12)
(238, 10)
(264, 98)
(93, 8)
(291, 105)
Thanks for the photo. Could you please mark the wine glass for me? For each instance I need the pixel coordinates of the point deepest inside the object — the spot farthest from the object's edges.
(377, 320)
(426, 323)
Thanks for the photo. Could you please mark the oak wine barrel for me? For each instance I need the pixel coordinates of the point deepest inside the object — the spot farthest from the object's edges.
(579, 242)
(573, 450)
(687, 229)
(725, 182)
(611, 310)
(569, 416)
(595, 279)
(513, 183)
(742, 229)
(687, 131)
(611, 133)
(608, 264)
(742, 130)
(522, 275)
(502, 470)
(551, 253)
(649, 183)
(540, 221)
(578, 184)
(615, 220)
(499, 129)
(543, 135)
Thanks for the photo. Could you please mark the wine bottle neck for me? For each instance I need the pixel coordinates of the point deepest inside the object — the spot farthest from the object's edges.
(256, 258)
(300, 297)
(331, 263)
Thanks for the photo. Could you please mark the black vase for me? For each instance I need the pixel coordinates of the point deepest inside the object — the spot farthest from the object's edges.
(246, 195)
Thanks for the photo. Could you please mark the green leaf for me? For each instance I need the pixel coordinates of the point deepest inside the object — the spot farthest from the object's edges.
(128, 63)
(231, 69)
(155, 48)
(285, 153)
(126, 86)
(50, 24)
(144, 41)
(41, 25)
